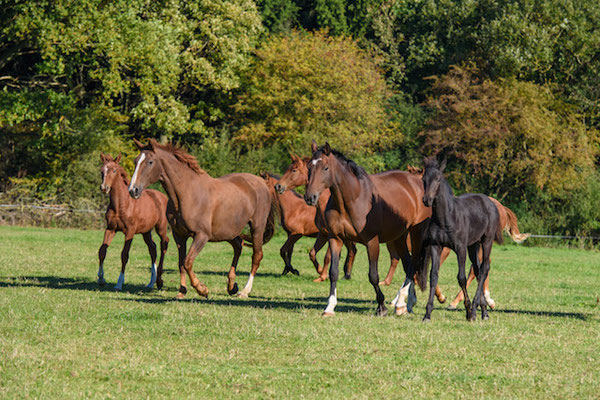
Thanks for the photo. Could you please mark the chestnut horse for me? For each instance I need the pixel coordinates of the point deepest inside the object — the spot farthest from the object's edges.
(508, 221)
(370, 209)
(207, 209)
(298, 219)
(131, 216)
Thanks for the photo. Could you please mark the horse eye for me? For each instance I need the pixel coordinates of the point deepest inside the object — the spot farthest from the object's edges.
(294, 170)
(326, 168)
(150, 162)
(115, 170)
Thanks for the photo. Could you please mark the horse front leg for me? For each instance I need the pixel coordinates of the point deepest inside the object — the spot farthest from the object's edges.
(164, 244)
(349, 263)
(405, 298)
(335, 246)
(482, 277)
(461, 255)
(181, 242)
(152, 250)
(197, 245)
(373, 255)
(435, 252)
(232, 286)
(257, 255)
(109, 234)
(124, 259)
(286, 253)
(322, 271)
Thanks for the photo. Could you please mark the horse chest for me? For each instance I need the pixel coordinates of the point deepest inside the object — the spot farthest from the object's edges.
(438, 236)
(114, 221)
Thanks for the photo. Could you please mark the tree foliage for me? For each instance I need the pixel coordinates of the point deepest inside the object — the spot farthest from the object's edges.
(508, 136)
(312, 86)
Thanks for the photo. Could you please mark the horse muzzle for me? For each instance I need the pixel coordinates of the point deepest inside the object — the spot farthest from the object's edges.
(280, 188)
(427, 201)
(105, 188)
(135, 192)
(311, 199)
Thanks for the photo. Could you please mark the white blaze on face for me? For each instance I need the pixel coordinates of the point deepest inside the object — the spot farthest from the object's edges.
(137, 168)
(315, 162)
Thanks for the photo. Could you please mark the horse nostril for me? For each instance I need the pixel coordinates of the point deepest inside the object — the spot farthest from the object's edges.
(278, 187)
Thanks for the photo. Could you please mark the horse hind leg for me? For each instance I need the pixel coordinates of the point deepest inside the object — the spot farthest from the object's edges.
(373, 255)
(349, 263)
(152, 250)
(181, 250)
(312, 254)
(164, 244)
(286, 254)
(482, 277)
(195, 248)
(232, 286)
(257, 255)
(124, 260)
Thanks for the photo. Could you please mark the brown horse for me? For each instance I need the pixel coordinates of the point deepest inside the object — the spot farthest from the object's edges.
(297, 175)
(207, 209)
(370, 209)
(131, 216)
(297, 220)
(508, 221)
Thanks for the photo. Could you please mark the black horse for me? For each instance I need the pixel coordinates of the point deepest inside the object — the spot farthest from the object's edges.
(463, 224)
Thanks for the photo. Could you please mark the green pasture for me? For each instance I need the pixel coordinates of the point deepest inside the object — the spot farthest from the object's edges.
(62, 336)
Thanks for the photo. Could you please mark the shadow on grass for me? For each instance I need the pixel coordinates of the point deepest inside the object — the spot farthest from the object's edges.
(260, 302)
(576, 315)
(54, 282)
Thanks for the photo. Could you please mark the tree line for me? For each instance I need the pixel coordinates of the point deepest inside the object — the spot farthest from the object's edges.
(507, 90)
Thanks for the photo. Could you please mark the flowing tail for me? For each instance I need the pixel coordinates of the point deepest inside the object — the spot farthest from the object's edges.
(421, 269)
(512, 227)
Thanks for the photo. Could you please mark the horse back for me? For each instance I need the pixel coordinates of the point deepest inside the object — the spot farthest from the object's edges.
(482, 214)
(403, 192)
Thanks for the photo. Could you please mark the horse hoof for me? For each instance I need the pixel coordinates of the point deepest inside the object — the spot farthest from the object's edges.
(401, 310)
(295, 272)
(381, 312)
(319, 279)
(180, 296)
(159, 285)
(347, 277)
(242, 295)
(285, 271)
(452, 307)
(233, 290)
(117, 289)
(384, 283)
(426, 320)
(202, 291)
(492, 304)
(442, 299)
(328, 314)
(485, 317)
(101, 282)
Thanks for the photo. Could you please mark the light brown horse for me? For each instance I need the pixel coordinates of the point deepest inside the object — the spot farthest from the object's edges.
(297, 220)
(370, 209)
(508, 222)
(207, 209)
(131, 216)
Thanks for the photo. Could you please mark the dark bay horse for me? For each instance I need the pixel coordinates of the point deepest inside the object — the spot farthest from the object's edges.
(369, 209)
(205, 208)
(131, 216)
(464, 224)
(297, 175)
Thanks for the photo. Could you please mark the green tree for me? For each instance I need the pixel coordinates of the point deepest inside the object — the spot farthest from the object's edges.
(311, 86)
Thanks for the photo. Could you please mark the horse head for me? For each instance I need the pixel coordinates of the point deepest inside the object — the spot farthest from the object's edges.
(110, 170)
(147, 168)
(295, 175)
(433, 176)
(320, 172)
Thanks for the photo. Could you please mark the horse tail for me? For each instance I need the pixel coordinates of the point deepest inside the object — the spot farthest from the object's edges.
(421, 269)
(512, 227)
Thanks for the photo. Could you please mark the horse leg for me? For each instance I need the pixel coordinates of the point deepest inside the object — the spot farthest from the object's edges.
(257, 255)
(349, 263)
(483, 275)
(152, 249)
(335, 246)
(438, 291)
(319, 243)
(405, 298)
(462, 279)
(198, 243)
(393, 264)
(286, 253)
(124, 259)
(108, 237)
(433, 278)
(373, 255)
(232, 286)
(164, 244)
(181, 242)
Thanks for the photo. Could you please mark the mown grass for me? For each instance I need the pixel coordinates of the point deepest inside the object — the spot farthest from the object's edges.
(62, 336)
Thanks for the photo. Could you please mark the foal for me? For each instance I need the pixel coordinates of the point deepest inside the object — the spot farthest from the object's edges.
(463, 223)
(130, 216)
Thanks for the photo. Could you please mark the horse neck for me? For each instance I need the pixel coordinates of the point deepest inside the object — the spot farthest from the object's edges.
(443, 209)
(176, 179)
(346, 189)
(119, 195)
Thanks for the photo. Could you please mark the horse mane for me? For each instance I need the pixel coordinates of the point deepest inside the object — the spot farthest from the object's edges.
(356, 169)
(123, 174)
(182, 156)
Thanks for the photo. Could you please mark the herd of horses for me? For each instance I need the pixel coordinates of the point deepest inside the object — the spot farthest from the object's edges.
(413, 212)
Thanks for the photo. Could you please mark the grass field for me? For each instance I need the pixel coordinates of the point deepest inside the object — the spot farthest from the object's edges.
(62, 336)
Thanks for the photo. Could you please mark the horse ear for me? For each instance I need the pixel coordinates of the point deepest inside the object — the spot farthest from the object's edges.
(152, 144)
(313, 146)
(118, 158)
(138, 144)
(443, 164)
(102, 158)
(327, 148)
(295, 158)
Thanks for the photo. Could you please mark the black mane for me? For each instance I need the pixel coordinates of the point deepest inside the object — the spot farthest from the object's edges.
(356, 169)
